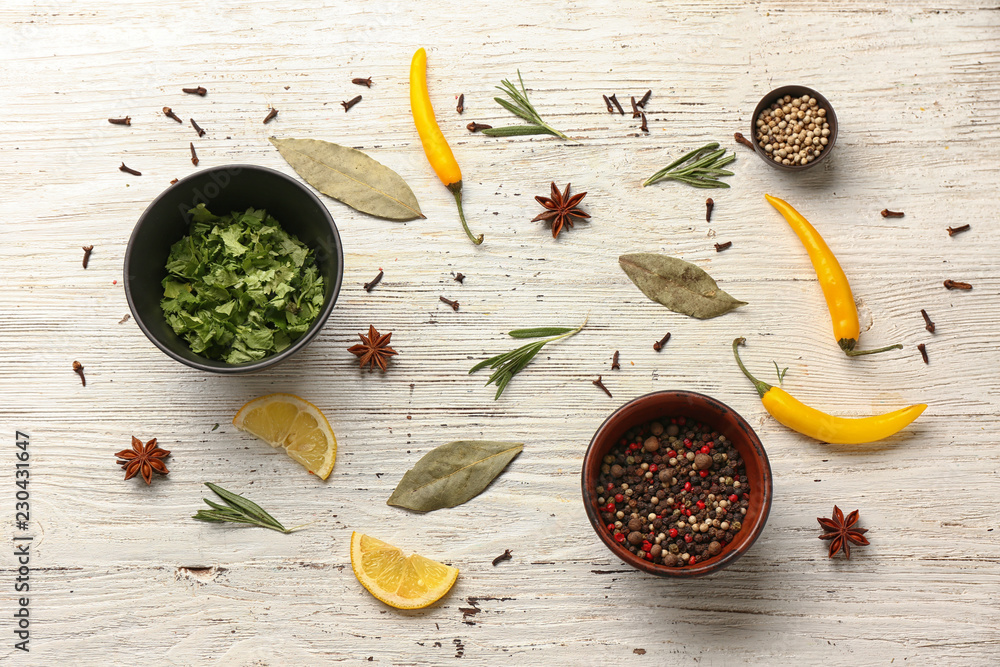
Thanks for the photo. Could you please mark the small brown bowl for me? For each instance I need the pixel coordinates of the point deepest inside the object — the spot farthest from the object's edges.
(794, 91)
(707, 410)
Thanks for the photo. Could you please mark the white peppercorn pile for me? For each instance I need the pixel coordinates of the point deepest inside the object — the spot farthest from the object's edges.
(671, 496)
(793, 131)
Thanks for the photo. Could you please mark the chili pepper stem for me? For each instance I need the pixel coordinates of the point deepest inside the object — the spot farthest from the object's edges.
(847, 345)
(762, 387)
(456, 189)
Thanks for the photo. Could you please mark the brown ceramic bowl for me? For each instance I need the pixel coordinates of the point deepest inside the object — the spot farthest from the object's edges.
(707, 410)
(794, 91)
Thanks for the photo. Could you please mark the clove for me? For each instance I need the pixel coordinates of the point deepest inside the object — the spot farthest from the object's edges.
(719, 247)
(645, 98)
(644, 127)
(475, 127)
(614, 362)
(635, 108)
(362, 82)
(599, 384)
(195, 91)
(453, 304)
(923, 351)
(270, 115)
(197, 128)
(614, 100)
(78, 369)
(194, 156)
(461, 103)
(127, 120)
(611, 109)
(740, 139)
(886, 213)
(955, 284)
(658, 345)
(460, 277)
(375, 281)
(350, 103)
(709, 205)
(927, 320)
(129, 170)
(87, 249)
(959, 230)
(501, 558)
(170, 114)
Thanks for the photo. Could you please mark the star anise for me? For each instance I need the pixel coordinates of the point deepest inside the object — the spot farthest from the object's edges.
(840, 532)
(374, 349)
(561, 209)
(143, 459)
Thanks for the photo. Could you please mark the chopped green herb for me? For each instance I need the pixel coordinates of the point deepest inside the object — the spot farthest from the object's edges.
(240, 288)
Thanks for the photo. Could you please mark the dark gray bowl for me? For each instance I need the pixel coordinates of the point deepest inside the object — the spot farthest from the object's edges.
(794, 91)
(223, 189)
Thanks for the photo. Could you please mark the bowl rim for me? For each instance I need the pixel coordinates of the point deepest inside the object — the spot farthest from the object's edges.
(792, 89)
(751, 533)
(222, 367)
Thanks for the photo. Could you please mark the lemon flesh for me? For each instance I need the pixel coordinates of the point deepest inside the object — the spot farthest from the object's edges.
(294, 424)
(403, 582)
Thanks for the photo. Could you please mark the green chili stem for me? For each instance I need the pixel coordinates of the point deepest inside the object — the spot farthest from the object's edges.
(456, 189)
(858, 353)
(762, 387)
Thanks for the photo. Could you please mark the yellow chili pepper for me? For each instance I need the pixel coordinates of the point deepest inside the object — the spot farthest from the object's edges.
(836, 289)
(798, 416)
(435, 145)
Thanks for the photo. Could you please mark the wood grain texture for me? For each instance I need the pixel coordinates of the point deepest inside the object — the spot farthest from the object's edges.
(122, 575)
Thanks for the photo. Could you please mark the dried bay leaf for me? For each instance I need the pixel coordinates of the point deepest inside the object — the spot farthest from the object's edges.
(452, 474)
(680, 286)
(351, 177)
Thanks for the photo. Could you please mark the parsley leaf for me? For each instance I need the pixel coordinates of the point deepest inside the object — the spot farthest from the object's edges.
(240, 288)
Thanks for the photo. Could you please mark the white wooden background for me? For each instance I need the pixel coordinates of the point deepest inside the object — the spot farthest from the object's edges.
(121, 574)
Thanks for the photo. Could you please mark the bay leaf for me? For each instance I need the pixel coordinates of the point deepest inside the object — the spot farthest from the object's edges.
(680, 286)
(452, 474)
(351, 177)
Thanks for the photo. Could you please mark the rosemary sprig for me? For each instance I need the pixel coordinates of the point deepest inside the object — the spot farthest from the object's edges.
(239, 510)
(522, 108)
(703, 168)
(509, 364)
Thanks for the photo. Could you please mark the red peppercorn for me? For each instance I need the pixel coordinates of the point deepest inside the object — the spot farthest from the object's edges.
(611, 527)
(688, 538)
(687, 512)
(701, 504)
(610, 486)
(610, 507)
(619, 498)
(653, 468)
(710, 444)
(687, 487)
(649, 556)
(704, 449)
(703, 473)
(687, 443)
(673, 532)
(619, 537)
(671, 454)
(733, 498)
(646, 546)
(693, 560)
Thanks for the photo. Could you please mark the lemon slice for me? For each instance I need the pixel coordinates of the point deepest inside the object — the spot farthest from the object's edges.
(285, 420)
(403, 582)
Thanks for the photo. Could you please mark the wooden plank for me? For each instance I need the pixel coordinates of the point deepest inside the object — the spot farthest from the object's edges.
(120, 571)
